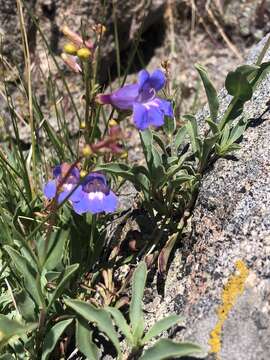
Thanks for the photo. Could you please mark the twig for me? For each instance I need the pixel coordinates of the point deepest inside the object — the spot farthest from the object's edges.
(223, 35)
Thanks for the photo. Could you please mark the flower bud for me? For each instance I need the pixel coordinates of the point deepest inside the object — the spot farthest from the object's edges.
(70, 49)
(83, 173)
(124, 155)
(82, 125)
(71, 62)
(103, 99)
(99, 29)
(72, 36)
(87, 151)
(84, 54)
(113, 122)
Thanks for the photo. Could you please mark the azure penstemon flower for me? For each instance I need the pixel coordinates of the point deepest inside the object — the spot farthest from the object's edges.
(62, 185)
(96, 196)
(92, 195)
(148, 109)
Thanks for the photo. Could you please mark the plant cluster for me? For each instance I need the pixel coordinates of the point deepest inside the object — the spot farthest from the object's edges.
(61, 293)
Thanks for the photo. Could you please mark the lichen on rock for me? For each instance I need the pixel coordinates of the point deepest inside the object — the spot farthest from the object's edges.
(232, 290)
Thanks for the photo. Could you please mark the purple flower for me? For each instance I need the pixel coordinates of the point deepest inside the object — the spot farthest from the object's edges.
(71, 181)
(141, 98)
(96, 196)
(92, 195)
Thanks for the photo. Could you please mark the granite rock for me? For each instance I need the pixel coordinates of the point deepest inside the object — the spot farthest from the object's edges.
(231, 222)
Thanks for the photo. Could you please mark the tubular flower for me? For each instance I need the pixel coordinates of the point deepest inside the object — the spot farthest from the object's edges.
(111, 142)
(95, 196)
(63, 184)
(76, 39)
(72, 62)
(148, 109)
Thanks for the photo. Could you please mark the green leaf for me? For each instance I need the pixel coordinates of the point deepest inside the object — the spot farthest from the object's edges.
(25, 270)
(135, 308)
(65, 277)
(232, 147)
(169, 125)
(238, 86)
(121, 322)
(213, 126)
(225, 135)
(6, 357)
(147, 144)
(157, 160)
(168, 349)
(156, 168)
(180, 136)
(98, 316)
(179, 180)
(25, 305)
(234, 110)
(53, 336)
(141, 179)
(10, 328)
(84, 340)
(192, 129)
(211, 92)
(160, 326)
(160, 142)
(237, 131)
(208, 145)
(261, 73)
(165, 252)
(55, 253)
(247, 70)
(118, 169)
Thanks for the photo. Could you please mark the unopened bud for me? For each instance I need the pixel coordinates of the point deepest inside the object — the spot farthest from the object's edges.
(72, 36)
(82, 125)
(112, 123)
(124, 155)
(87, 151)
(70, 49)
(84, 53)
(99, 29)
(83, 173)
(71, 62)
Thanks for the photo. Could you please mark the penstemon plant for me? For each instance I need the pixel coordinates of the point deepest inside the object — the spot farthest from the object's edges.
(64, 284)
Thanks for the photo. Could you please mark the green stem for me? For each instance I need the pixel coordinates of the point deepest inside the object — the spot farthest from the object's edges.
(263, 52)
(87, 118)
(229, 110)
(116, 39)
(91, 249)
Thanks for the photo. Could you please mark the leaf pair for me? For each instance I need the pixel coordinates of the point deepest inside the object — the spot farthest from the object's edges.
(134, 331)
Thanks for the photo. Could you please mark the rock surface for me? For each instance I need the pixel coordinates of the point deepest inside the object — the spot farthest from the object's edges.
(231, 222)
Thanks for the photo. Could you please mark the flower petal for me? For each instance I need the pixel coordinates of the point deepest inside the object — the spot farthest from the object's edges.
(57, 171)
(96, 202)
(165, 106)
(157, 79)
(110, 202)
(74, 197)
(155, 116)
(140, 117)
(124, 97)
(143, 76)
(63, 196)
(81, 206)
(50, 189)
